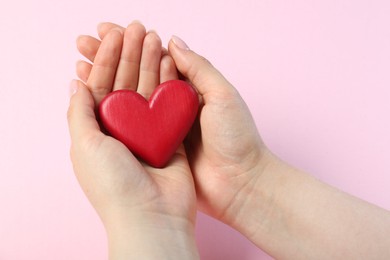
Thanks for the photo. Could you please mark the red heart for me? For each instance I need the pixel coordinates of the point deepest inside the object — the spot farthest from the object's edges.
(154, 129)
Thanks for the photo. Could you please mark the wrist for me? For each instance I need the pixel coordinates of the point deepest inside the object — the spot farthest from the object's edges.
(151, 236)
(290, 214)
(267, 208)
(254, 204)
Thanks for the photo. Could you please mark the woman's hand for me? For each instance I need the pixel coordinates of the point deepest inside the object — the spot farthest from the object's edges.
(147, 212)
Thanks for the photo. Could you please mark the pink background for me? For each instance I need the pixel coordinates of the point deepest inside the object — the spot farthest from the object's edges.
(315, 75)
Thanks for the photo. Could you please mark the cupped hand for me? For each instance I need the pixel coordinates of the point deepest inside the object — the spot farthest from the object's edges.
(132, 199)
(224, 149)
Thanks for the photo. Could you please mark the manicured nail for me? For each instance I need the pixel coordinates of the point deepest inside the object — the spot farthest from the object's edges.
(73, 87)
(180, 43)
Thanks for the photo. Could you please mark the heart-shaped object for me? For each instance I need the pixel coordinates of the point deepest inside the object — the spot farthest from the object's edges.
(154, 129)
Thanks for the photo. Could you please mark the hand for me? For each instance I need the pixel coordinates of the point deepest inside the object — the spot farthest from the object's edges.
(147, 212)
(282, 210)
(224, 149)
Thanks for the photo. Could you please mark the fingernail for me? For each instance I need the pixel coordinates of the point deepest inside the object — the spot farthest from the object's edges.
(180, 43)
(154, 32)
(117, 30)
(99, 26)
(73, 87)
(137, 21)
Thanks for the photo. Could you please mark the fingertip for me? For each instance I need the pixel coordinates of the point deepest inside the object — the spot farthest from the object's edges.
(177, 53)
(105, 27)
(73, 87)
(100, 26)
(116, 33)
(152, 35)
(167, 69)
(164, 51)
(152, 43)
(80, 41)
(134, 34)
(83, 70)
(78, 38)
(197, 69)
(137, 21)
(77, 88)
(88, 46)
(113, 38)
(179, 43)
(137, 28)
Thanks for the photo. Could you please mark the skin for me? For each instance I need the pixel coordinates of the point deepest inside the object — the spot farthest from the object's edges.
(238, 180)
(138, 204)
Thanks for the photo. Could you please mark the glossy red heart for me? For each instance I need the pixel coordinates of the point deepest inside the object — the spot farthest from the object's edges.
(154, 129)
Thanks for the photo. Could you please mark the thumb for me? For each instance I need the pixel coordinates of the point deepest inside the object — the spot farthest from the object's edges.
(81, 115)
(198, 70)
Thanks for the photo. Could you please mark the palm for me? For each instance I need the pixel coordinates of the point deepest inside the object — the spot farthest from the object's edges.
(139, 66)
(223, 151)
(133, 181)
(222, 146)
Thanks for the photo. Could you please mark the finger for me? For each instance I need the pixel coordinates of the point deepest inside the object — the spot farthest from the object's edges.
(164, 51)
(81, 116)
(83, 69)
(197, 69)
(105, 28)
(102, 76)
(181, 151)
(149, 75)
(167, 69)
(129, 63)
(88, 46)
